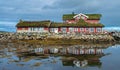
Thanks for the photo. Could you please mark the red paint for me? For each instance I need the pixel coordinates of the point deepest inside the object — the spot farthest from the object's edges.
(22, 28)
(59, 29)
(70, 21)
(75, 30)
(67, 29)
(19, 28)
(85, 18)
(45, 28)
(92, 21)
(95, 51)
(78, 29)
(26, 28)
(95, 30)
(84, 29)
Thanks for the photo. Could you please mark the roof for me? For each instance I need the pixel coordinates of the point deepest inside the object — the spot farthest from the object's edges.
(94, 16)
(68, 16)
(45, 23)
(90, 16)
(81, 23)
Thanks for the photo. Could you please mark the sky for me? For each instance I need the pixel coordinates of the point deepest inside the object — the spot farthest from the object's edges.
(11, 11)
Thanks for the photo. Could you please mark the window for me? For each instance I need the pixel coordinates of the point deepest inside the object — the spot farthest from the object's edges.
(98, 29)
(64, 30)
(87, 29)
(91, 29)
(51, 29)
(71, 29)
(41, 29)
(36, 29)
(76, 29)
(81, 29)
(31, 29)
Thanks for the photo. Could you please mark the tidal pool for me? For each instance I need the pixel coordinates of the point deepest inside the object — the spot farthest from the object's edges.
(68, 57)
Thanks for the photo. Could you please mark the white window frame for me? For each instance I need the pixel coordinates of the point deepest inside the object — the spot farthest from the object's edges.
(81, 29)
(98, 29)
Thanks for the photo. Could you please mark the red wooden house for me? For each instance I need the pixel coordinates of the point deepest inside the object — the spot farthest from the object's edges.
(72, 23)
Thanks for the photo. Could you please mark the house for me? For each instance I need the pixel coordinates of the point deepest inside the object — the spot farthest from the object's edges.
(33, 26)
(72, 23)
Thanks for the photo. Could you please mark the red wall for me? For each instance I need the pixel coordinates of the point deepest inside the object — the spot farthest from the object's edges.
(59, 29)
(46, 28)
(67, 29)
(20, 28)
(70, 21)
(92, 21)
(95, 29)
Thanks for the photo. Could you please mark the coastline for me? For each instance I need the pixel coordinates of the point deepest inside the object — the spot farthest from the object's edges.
(56, 39)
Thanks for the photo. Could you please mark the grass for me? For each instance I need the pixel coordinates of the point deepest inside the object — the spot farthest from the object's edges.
(33, 24)
(91, 16)
(81, 23)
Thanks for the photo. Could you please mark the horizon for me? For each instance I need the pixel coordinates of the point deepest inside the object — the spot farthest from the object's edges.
(12, 11)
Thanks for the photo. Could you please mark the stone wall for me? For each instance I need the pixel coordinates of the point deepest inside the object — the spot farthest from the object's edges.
(41, 36)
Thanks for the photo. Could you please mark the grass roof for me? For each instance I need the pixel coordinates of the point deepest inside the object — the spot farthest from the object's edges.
(68, 16)
(90, 16)
(94, 16)
(81, 23)
(48, 23)
(33, 24)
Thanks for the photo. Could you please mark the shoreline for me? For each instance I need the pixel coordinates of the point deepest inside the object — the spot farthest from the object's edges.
(57, 39)
(60, 42)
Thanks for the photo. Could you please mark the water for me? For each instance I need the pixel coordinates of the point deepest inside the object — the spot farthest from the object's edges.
(74, 57)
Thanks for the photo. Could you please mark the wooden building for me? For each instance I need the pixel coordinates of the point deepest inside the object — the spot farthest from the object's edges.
(33, 26)
(72, 23)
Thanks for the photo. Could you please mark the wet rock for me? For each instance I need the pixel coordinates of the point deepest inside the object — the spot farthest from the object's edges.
(37, 64)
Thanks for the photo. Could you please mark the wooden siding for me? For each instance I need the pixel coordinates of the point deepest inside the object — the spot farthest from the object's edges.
(92, 21)
(61, 29)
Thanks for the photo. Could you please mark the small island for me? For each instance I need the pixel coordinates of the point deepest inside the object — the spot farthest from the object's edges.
(75, 29)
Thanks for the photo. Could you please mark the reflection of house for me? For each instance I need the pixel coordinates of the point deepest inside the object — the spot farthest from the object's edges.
(72, 23)
(78, 51)
(69, 50)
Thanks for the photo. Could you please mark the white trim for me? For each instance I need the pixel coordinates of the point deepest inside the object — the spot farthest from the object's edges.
(79, 15)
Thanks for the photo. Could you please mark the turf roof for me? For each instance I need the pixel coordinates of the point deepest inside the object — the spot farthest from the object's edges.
(81, 23)
(90, 16)
(34, 23)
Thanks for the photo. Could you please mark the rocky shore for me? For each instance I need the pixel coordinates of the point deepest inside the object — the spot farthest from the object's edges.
(46, 37)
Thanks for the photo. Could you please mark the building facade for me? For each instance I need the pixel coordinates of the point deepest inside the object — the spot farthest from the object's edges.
(72, 23)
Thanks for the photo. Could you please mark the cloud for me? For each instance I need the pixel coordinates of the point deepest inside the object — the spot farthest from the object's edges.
(13, 11)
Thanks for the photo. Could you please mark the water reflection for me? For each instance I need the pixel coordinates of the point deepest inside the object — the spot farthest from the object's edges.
(26, 55)
(69, 50)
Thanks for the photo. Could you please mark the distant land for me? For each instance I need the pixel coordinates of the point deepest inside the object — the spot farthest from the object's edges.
(3, 31)
(111, 28)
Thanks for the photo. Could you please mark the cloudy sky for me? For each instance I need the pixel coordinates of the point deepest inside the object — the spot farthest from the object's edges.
(11, 11)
